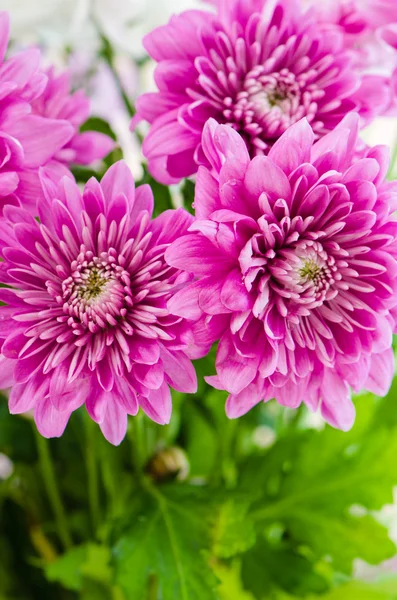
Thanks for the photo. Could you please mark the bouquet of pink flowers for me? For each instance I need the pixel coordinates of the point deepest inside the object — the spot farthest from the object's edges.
(211, 316)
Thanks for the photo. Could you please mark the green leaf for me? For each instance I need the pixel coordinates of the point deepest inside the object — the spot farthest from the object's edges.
(80, 564)
(233, 529)
(67, 569)
(187, 190)
(385, 589)
(16, 437)
(98, 124)
(269, 566)
(161, 193)
(199, 433)
(320, 486)
(165, 544)
(230, 587)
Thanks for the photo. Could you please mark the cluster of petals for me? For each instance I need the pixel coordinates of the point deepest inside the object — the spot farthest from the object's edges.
(259, 66)
(370, 30)
(85, 319)
(295, 262)
(39, 125)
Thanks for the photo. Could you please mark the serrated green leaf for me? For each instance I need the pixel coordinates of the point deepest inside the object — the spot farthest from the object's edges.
(266, 567)
(233, 529)
(310, 481)
(88, 561)
(230, 587)
(67, 569)
(166, 541)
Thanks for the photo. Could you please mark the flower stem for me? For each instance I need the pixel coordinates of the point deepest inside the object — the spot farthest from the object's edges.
(136, 435)
(51, 485)
(92, 473)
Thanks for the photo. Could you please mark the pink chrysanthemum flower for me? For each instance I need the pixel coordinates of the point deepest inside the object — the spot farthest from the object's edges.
(39, 123)
(357, 16)
(258, 66)
(86, 318)
(370, 30)
(296, 254)
(57, 102)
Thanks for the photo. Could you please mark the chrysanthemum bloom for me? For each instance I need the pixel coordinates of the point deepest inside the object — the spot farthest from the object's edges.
(86, 318)
(57, 102)
(357, 16)
(258, 66)
(38, 125)
(297, 253)
(370, 30)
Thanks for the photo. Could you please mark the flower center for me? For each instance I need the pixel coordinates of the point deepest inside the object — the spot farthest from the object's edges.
(98, 292)
(310, 271)
(92, 283)
(267, 104)
(305, 274)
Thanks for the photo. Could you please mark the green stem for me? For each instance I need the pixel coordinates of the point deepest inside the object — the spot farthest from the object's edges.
(92, 474)
(51, 485)
(136, 435)
(152, 588)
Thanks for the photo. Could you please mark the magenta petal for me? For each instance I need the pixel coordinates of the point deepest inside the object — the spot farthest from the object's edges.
(381, 373)
(117, 180)
(337, 407)
(150, 376)
(126, 397)
(220, 143)
(239, 404)
(22, 397)
(143, 201)
(6, 372)
(196, 255)
(293, 147)
(144, 351)
(264, 176)
(234, 371)
(179, 371)
(158, 405)
(114, 423)
(234, 295)
(90, 146)
(185, 302)
(50, 421)
(96, 402)
(105, 375)
(63, 394)
(170, 225)
(40, 138)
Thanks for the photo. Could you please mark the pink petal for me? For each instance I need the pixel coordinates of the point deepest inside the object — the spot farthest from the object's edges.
(235, 372)
(381, 373)
(50, 421)
(179, 371)
(337, 407)
(158, 405)
(114, 423)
